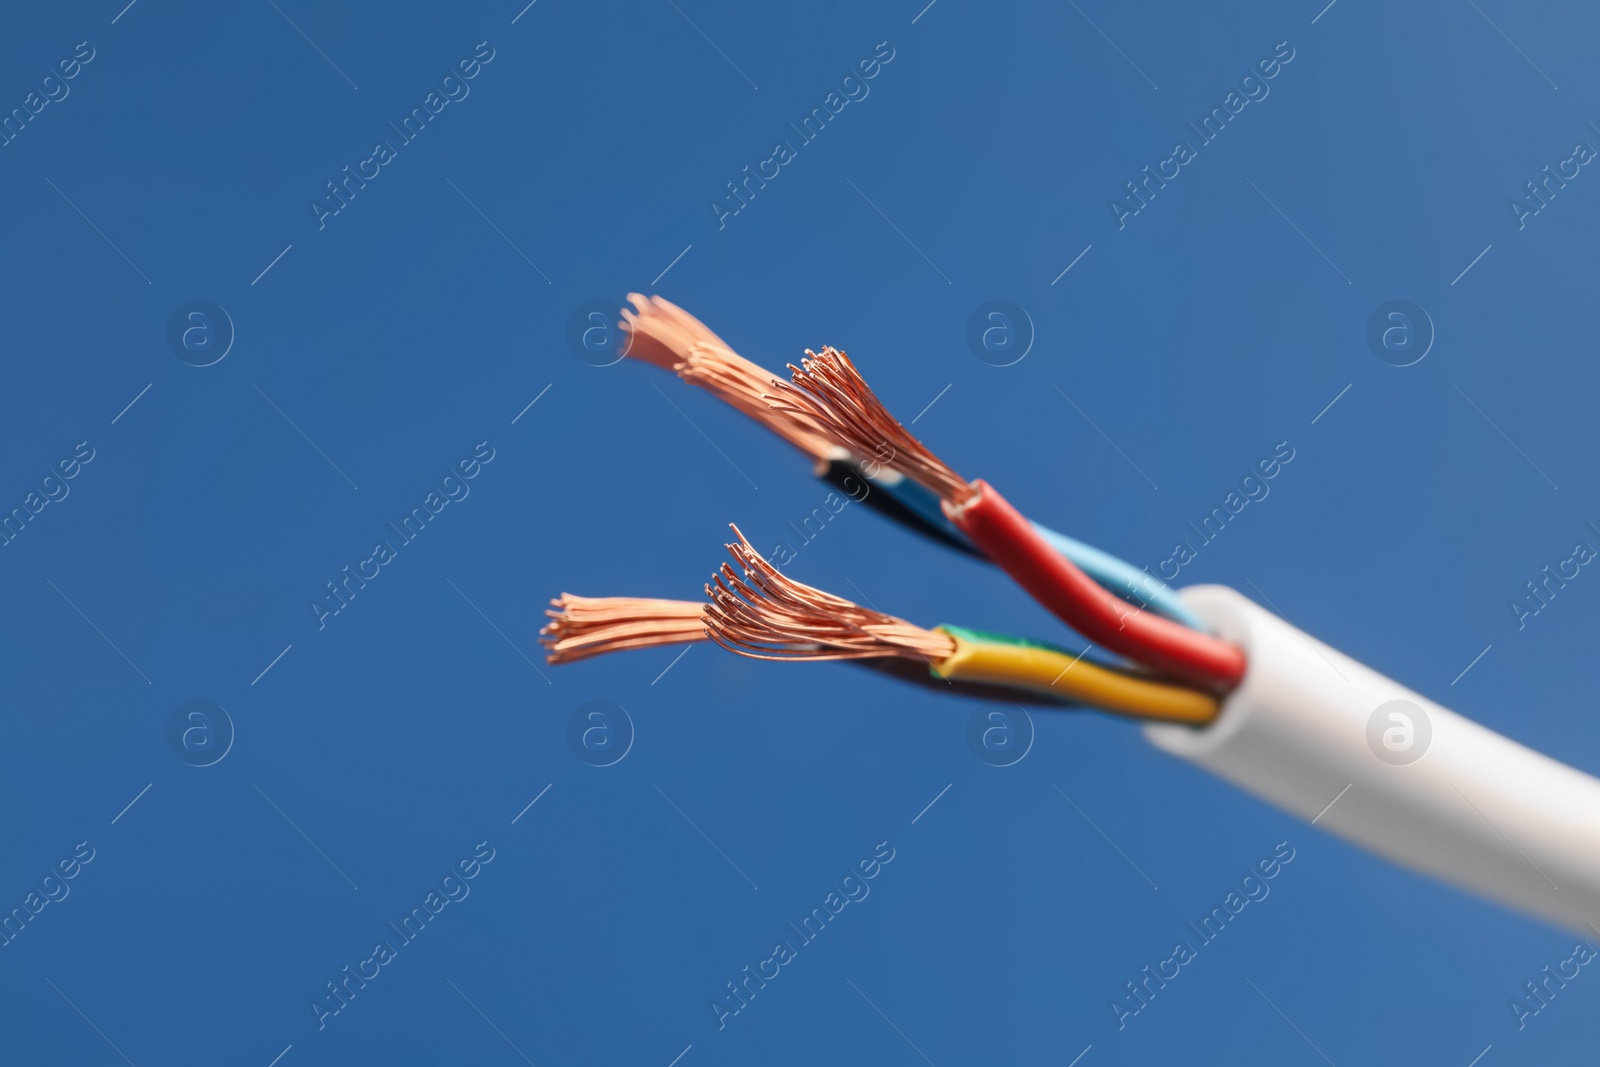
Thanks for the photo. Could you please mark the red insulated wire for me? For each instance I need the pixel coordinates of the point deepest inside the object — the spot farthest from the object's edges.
(1054, 581)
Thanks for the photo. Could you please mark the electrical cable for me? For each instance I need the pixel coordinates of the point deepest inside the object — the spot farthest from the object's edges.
(1287, 718)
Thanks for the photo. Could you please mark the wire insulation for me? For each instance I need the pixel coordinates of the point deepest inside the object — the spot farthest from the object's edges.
(916, 507)
(1054, 581)
(1121, 577)
(1042, 669)
(1359, 755)
(898, 498)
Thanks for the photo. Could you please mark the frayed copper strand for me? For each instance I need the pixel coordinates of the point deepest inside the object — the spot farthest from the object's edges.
(758, 612)
(828, 392)
(582, 626)
(669, 337)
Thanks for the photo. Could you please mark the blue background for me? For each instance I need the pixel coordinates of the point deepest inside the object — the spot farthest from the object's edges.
(378, 750)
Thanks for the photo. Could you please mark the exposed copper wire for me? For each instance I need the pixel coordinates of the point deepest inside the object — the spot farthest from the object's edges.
(583, 626)
(757, 611)
(827, 391)
(669, 337)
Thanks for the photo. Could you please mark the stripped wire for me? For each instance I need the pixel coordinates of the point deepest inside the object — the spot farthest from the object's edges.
(664, 335)
(828, 391)
(760, 614)
(583, 627)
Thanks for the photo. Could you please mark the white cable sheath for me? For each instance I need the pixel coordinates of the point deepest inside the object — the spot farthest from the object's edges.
(1476, 809)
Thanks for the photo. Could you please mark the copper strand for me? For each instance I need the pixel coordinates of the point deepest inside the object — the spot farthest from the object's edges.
(757, 611)
(663, 334)
(582, 626)
(827, 391)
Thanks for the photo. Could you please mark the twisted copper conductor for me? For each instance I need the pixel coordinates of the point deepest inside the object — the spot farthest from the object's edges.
(762, 614)
(583, 626)
(669, 337)
(828, 392)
